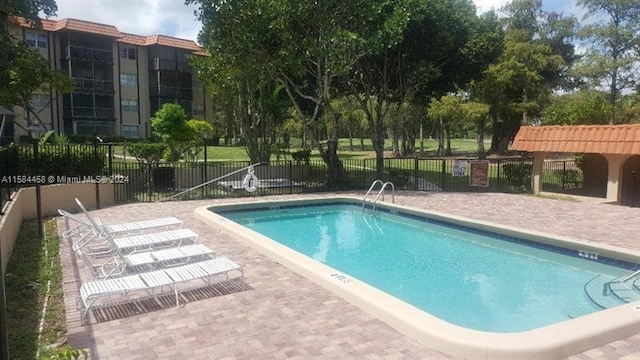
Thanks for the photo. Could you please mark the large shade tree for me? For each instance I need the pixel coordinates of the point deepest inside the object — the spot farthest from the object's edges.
(612, 53)
(442, 47)
(534, 63)
(303, 46)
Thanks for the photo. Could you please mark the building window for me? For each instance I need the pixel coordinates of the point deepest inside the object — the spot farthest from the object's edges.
(34, 39)
(129, 105)
(198, 109)
(129, 131)
(39, 101)
(128, 52)
(128, 79)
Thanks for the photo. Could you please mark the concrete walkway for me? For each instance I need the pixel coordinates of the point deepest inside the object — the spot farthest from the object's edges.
(282, 315)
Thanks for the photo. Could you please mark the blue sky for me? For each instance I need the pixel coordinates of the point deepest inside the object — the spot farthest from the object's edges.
(172, 17)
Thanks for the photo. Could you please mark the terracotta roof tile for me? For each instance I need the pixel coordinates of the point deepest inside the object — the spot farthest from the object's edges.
(47, 25)
(112, 31)
(172, 42)
(88, 27)
(603, 139)
(132, 39)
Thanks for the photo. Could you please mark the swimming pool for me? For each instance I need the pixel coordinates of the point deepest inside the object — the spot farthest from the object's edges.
(470, 279)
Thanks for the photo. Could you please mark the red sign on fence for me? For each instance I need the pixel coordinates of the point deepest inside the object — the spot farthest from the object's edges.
(479, 173)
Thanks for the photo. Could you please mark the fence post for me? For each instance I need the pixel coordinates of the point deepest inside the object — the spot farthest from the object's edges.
(110, 161)
(95, 178)
(290, 177)
(68, 148)
(564, 172)
(36, 170)
(443, 174)
(415, 176)
(499, 178)
(204, 164)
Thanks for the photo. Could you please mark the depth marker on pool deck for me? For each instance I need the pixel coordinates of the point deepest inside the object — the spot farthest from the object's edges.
(342, 278)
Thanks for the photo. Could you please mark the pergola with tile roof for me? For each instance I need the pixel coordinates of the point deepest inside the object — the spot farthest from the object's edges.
(617, 143)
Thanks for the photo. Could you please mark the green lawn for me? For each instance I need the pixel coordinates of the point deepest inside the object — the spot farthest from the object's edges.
(364, 151)
(344, 151)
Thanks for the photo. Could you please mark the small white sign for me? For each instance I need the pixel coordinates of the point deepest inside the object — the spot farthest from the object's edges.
(459, 168)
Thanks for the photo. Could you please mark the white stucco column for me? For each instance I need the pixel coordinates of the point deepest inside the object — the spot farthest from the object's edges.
(614, 176)
(538, 164)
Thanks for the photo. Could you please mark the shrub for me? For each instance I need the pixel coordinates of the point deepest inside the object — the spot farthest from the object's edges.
(302, 155)
(398, 177)
(59, 160)
(519, 175)
(567, 176)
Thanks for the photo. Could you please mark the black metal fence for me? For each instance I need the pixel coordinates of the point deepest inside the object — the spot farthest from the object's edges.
(26, 165)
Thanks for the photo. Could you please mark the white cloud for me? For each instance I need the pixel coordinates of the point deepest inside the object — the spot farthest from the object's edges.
(486, 5)
(141, 17)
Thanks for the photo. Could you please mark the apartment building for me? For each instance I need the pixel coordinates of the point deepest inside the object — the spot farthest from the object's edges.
(120, 79)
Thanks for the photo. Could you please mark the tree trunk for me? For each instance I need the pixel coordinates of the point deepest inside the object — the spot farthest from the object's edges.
(447, 131)
(377, 141)
(480, 139)
(334, 165)
(421, 139)
(440, 151)
(350, 139)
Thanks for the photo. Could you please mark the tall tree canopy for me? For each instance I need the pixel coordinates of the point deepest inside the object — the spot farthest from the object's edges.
(10, 49)
(382, 53)
(303, 46)
(533, 64)
(443, 46)
(612, 56)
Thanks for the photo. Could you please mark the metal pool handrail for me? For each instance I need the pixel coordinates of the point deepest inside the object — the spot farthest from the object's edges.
(208, 182)
(371, 188)
(381, 192)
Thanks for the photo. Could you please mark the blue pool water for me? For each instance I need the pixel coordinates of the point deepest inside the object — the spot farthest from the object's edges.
(467, 278)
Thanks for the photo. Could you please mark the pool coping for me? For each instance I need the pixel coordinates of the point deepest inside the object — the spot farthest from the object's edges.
(554, 341)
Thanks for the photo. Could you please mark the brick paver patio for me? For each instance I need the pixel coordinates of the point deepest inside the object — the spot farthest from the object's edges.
(282, 315)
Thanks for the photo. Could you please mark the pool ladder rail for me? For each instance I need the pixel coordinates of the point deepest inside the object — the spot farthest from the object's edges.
(606, 294)
(381, 192)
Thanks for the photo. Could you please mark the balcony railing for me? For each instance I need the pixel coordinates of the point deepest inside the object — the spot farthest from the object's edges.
(164, 64)
(171, 92)
(93, 85)
(89, 112)
(85, 53)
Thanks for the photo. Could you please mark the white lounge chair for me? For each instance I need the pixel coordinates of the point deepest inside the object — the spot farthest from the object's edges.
(168, 257)
(145, 261)
(165, 223)
(92, 232)
(153, 241)
(93, 291)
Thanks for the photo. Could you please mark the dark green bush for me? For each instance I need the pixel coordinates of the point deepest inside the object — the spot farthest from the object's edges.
(56, 160)
(519, 175)
(567, 176)
(302, 155)
(146, 152)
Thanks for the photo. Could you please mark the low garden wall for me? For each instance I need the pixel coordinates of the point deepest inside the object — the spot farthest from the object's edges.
(23, 207)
